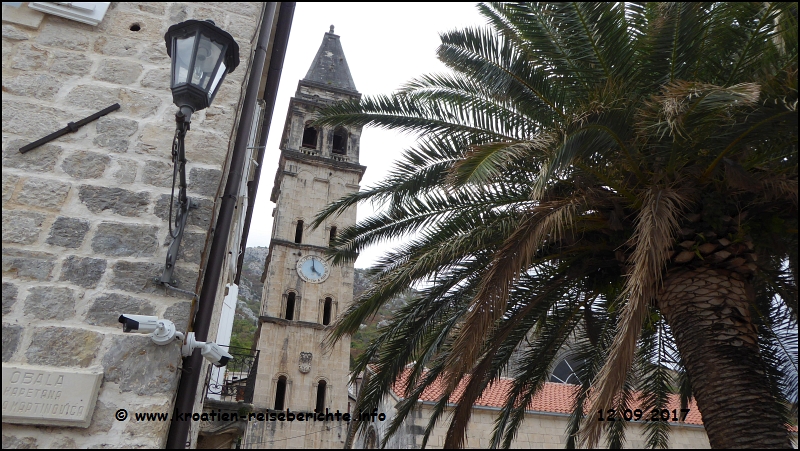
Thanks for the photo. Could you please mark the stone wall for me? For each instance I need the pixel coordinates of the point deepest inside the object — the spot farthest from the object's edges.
(85, 227)
(538, 431)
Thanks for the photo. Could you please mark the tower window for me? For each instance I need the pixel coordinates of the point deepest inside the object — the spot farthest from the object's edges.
(290, 306)
(327, 309)
(321, 396)
(280, 393)
(340, 141)
(310, 137)
(298, 233)
(332, 237)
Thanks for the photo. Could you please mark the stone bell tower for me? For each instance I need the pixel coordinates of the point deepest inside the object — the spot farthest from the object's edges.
(303, 293)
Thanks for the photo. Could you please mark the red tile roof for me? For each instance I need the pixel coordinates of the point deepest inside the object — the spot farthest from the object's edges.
(552, 398)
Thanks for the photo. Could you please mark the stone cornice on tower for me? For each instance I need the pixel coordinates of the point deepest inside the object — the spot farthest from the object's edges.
(287, 154)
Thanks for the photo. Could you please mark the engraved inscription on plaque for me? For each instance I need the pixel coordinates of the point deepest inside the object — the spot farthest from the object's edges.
(305, 362)
(49, 396)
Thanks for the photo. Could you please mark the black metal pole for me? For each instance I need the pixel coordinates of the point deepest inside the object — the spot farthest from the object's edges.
(71, 127)
(182, 120)
(187, 388)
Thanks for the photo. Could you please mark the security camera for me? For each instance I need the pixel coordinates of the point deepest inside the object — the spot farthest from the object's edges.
(162, 331)
(210, 351)
(141, 324)
(215, 354)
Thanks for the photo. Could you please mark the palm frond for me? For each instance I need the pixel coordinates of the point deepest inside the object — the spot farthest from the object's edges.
(591, 350)
(656, 227)
(756, 32)
(655, 378)
(547, 222)
(565, 155)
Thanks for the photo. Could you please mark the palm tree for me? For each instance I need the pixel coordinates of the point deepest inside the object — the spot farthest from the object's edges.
(617, 172)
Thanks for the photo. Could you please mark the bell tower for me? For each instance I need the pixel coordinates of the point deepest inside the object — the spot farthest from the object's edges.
(303, 293)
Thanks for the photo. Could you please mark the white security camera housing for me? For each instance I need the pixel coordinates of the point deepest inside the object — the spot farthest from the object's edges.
(140, 324)
(162, 331)
(210, 351)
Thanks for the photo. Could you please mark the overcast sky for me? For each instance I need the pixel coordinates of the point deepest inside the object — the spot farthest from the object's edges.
(386, 45)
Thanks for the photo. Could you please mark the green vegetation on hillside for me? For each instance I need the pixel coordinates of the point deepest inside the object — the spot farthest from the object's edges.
(245, 322)
(243, 331)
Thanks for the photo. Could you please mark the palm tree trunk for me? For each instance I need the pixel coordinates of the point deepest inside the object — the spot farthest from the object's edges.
(708, 312)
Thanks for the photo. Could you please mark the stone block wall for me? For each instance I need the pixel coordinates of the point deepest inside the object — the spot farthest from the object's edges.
(85, 217)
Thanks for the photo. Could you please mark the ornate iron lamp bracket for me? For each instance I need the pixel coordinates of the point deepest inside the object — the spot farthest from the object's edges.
(182, 120)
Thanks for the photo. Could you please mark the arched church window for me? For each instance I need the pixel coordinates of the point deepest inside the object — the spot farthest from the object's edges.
(372, 439)
(332, 236)
(566, 372)
(340, 141)
(298, 233)
(309, 136)
(290, 301)
(321, 388)
(327, 309)
(280, 393)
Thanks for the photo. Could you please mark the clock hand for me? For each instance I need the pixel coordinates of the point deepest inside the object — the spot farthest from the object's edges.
(314, 268)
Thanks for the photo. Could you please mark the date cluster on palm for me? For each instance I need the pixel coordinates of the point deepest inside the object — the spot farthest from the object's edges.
(722, 249)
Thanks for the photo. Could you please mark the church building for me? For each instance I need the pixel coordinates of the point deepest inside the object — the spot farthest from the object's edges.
(303, 293)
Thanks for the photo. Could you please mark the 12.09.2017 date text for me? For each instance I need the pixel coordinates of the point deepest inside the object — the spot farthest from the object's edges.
(639, 415)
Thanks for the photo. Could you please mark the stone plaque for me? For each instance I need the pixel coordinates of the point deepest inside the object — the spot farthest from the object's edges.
(49, 396)
(305, 362)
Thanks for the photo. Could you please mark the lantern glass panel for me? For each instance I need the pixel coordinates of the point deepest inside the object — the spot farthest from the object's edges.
(217, 78)
(208, 53)
(183, 50)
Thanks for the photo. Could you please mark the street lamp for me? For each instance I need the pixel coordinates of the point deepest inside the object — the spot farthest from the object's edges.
(201, 55)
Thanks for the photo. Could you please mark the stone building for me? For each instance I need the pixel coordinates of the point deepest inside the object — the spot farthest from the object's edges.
(85, 225)
(303, 294)
(546, 420)
(545, 425)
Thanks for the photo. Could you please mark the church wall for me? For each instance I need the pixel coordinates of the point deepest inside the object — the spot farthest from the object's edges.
(306, 189)
(281, 345)
(85, 227)
(295, 435)
(538, 431)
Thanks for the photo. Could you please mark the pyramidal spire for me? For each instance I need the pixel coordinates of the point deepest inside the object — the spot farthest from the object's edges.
(330, 66)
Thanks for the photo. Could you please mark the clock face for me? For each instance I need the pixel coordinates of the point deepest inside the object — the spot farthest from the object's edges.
(313, 269)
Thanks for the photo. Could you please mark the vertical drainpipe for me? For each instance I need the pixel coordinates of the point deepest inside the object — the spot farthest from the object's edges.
(270, 94)
(192, 365)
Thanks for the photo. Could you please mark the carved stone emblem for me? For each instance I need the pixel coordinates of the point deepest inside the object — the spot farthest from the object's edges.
(305, 362)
